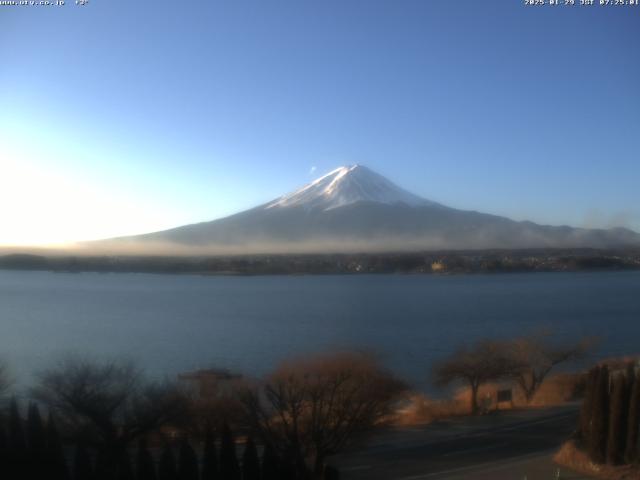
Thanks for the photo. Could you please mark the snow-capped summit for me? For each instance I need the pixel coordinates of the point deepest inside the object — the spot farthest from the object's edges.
(345, 186)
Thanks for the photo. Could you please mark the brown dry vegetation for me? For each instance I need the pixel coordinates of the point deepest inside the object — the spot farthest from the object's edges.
(313, 407)
(524, 362)
(556, 390)
(421, 409)
(572, 457)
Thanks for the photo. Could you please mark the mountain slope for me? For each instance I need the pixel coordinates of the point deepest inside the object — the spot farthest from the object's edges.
(354, 208)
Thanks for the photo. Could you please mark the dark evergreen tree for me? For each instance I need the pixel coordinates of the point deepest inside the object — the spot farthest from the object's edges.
(229, 467)
(331, 473)
(36, 437)
(56, 462)
(209, 457)
(187, 461)
(18, 465)
(4, 457)
(17, 440)
(167, 467)
(599, 418)
(36, 442)
(586, 410)
(145, 465)
(82, 465)
(250, 461)
(125, 471)
(287, 467)
(631, 447)
(631, 374)
(617, 421)
(106, 465)
(270, 463)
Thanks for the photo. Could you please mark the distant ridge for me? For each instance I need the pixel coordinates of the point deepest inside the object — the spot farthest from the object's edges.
(353, 208)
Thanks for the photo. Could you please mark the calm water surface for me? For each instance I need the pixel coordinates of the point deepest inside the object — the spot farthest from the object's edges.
(174, 323)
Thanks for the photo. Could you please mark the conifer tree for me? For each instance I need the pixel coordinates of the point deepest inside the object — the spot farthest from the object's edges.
(617, 421)
(209, 457)
(4, 458)
(599, 418)
(187, 461)
(630, 373)
(36, 442)
(82, 465)
(586, 409)
(331, 473)
(55, 454)
(125, 471)
(229, 467)
(17, 446)
(105, 467)
(17, 441)
(631, 448)
(286, 467)
(145, 465)
(250, 461)
(167, 467)
(269, 468)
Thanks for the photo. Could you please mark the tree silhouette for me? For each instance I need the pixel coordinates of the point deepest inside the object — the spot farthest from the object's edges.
(209, 457)
(145, 465)
(313, 407)
(187, 461)
(599, 418)
(229, 468)
(125, 471)
(55, 453)
(535, 356)
(4, 456)
(586, 410)
(111, 399)
(617, 421)
(167, 468)
(270, 462)
(250, 461)
(36, 444)
(331, 473)
(82, 465)
(484, 362)
(631, 450)
(17, 451)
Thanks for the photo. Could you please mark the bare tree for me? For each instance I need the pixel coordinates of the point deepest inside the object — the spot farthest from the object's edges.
(486, 361)
(535, 356)
(312, 408)
(108, 401)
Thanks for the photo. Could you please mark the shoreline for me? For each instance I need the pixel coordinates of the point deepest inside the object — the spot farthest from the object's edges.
(405, 263)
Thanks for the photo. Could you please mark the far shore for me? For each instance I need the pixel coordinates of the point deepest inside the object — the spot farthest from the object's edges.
(426, 262)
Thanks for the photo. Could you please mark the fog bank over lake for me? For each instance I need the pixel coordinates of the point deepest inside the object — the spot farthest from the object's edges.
(173, 323)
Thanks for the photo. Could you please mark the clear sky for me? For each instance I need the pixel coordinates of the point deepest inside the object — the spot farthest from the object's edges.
(125, 116)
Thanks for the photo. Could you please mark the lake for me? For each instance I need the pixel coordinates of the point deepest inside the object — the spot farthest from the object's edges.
(173, 323)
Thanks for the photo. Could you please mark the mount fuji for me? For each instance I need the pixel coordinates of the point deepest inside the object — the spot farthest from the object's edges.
(353, 208)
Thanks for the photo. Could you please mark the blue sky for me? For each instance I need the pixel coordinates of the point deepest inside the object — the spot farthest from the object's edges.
(120, 117)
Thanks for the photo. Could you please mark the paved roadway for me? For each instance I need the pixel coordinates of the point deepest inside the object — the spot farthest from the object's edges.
(505, 445)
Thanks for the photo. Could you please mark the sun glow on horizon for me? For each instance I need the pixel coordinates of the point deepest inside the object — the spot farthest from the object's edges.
(48, 207)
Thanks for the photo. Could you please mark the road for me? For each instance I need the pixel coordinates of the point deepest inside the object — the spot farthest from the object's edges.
(513, 444)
